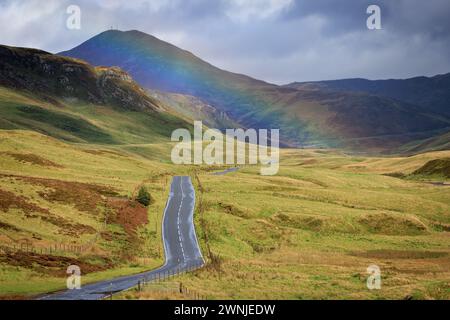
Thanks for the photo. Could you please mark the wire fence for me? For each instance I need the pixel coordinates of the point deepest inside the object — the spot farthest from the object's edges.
(162, 283)
(59, 248)
(51, 249)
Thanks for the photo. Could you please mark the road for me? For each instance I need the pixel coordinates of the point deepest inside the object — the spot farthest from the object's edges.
(182, 252)
(221, 173)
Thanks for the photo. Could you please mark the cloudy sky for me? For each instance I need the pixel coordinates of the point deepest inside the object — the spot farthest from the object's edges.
(278, 41)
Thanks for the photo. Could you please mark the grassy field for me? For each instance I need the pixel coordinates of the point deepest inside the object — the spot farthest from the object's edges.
(58, 195)
(309, 232)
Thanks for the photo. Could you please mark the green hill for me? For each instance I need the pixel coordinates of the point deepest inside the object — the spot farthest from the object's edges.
(71, 100)
(436, 167)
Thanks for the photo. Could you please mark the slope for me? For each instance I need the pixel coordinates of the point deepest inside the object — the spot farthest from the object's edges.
(430, 93)
(305, 118)
(71, 100)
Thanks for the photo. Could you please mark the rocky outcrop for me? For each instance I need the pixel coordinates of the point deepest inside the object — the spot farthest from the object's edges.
(51, 76)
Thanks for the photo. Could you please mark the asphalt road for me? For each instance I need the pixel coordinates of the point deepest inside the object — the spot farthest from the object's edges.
(221, 173)
(182, 252)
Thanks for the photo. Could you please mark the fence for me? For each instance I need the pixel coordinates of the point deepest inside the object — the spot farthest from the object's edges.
(159, 282)
(172, 288)
(49, 249)
(58, 247)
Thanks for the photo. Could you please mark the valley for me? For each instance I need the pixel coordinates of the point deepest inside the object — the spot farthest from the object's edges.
(334, 215)
(363, 179)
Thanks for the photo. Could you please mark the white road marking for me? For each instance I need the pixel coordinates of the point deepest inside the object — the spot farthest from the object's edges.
(178, 218)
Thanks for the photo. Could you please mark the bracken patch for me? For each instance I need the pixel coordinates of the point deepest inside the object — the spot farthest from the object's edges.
(7, 226)
(84, 196)
(129, 214)
(9, 200)
(13, 297)
(50, 264)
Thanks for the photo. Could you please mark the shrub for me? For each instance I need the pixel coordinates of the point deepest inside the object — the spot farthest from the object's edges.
(144, 196)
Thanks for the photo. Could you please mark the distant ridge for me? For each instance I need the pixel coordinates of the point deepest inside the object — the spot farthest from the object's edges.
(430, 93)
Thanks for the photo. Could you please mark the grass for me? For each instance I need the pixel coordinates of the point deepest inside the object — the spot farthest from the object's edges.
(309, 232)
(78, 122)
(50, 196)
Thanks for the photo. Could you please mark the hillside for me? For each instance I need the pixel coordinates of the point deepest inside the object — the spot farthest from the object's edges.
(48, 75)
(320, 222)
(73, 204)
(436, 167)
(358, 121)
(436, 143)
(71, 100)
(193, 108)
(311, 231)
(432, 94)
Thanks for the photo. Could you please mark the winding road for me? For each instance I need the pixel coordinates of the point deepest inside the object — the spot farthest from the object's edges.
(182, 252)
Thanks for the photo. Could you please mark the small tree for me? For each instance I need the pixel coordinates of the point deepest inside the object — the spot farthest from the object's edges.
(144, 197)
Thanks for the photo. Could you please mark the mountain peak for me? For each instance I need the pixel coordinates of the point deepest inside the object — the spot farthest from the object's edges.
(124, 33)
(307, 117)
(154, 63)
(135, 38)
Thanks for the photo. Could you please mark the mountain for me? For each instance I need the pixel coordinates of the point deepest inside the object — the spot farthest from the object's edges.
(49, 75)
(71, 100)
(319, 118)
(158, 65)
(432, 94)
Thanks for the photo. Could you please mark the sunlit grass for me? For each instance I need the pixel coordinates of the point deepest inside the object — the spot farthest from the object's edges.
(307, 233)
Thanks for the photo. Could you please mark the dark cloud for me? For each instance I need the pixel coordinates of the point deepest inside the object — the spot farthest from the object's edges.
(275, 40)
